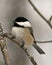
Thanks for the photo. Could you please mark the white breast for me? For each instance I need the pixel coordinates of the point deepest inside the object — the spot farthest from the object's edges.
(23, 34)
(17, 32)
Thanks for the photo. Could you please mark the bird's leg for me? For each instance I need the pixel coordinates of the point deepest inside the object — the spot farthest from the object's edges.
(13, 37)
(22, 45)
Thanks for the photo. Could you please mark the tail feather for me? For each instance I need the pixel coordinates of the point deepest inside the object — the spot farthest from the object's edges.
(38, 49)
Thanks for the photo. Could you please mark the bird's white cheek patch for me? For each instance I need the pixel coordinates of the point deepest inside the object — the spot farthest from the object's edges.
(26, 24)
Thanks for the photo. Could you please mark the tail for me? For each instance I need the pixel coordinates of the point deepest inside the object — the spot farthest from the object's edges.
(38, 49)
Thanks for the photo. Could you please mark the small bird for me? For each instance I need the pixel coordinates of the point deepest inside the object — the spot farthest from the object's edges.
(23, 32)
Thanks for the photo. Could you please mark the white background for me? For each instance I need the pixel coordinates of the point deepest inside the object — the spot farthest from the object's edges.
(9, 10)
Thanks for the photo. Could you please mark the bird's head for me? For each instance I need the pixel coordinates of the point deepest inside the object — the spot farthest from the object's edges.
(21, 22)
(21, 19)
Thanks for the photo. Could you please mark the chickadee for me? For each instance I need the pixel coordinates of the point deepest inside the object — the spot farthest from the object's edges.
(22, 31)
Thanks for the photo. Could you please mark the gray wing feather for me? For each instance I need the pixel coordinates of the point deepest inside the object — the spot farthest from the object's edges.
(31, 31)
(35, 45)
(38, 49)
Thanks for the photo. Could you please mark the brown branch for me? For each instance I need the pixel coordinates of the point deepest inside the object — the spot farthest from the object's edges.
(4, 52)
(4, 47)
(9, 36)
(40, 14)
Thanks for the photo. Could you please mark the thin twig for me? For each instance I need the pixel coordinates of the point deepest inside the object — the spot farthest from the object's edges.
(41, 15)
(8, 35)
(4, 47)
(50, 41)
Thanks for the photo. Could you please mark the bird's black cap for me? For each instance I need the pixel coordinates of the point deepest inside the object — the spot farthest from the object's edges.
(21, 19)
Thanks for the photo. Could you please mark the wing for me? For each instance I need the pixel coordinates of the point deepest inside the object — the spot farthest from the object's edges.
(38, 49)
(31, 31)
(35, 45)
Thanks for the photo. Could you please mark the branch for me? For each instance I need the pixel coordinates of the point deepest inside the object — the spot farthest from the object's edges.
(3, 47)
(9, 36)
(40, 14)
(50, 41)
(4, 52)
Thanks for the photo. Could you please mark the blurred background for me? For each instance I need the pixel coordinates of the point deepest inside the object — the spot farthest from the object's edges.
(9, 10)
